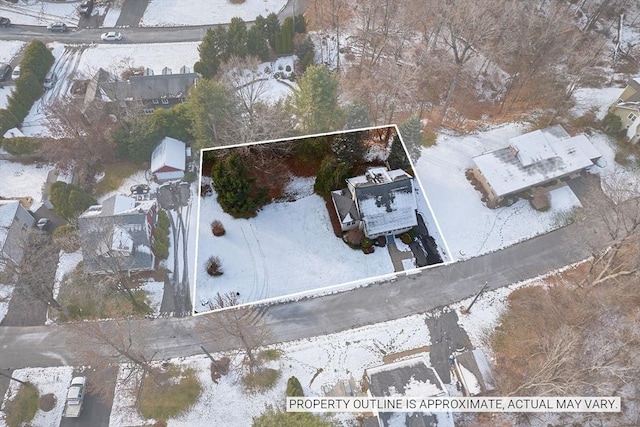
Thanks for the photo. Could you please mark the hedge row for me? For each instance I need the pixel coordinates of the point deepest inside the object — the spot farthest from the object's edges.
(35, 64)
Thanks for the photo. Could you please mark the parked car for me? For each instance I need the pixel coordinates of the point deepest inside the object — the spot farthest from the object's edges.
(57, 26)
(43, 223)
(86, 7)
(75, 398)
(111, 36)
(5, 71)
(16, 73)
(50, 79)
(4, 22)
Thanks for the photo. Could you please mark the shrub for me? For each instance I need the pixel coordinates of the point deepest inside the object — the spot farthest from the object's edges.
(271, 354)
(238, 191)
(69, 200)
(381, 241)
(366, 243)
(261, 380)
(23, 407)
(214, 266)
(354, 237)
(611, 124)
(219, 368)
(294, 388)
(406, 238)
(66, 238)
(190, 177)
(21, 146)
(369, 249)
(165, 399)
(217, 228)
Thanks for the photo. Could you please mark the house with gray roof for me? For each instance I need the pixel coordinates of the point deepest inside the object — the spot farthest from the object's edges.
(15, 221)
(380, 202)
(142, 93)
(408, 378)
(118, 235)
(530, 160)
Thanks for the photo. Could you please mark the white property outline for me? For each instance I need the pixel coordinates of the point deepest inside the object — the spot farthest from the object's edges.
(331, 289)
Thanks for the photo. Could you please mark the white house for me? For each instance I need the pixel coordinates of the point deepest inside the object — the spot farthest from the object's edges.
(168, 160)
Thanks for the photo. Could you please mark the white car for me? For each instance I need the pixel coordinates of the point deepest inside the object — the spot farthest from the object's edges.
(16, 73)
(111, 36)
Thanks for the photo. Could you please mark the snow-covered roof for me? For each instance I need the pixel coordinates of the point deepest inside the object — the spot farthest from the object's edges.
(13, 133)
(169, 153)
(532, 147)
(8, 209)
(410, 377)
(505, 171)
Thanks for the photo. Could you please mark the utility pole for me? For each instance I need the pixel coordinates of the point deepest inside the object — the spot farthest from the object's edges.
(468, 309)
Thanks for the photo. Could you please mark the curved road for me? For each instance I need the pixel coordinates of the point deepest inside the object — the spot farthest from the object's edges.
(439, 286)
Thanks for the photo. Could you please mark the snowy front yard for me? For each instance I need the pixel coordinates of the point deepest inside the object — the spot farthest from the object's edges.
(287, 249)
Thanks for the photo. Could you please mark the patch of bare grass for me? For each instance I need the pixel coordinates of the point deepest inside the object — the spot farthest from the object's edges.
(169, 394)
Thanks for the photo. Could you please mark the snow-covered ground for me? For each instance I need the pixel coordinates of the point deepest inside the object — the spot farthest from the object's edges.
(154, 291)
(287, 249)
(48, 381)
(34, 12)
(599, 98)
(9, 49)
(319, 363)
(66, 264)
(468, 226)
(168, 13)
(20, 180)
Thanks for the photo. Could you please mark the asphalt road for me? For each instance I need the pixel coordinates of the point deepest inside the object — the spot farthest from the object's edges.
(436, 287)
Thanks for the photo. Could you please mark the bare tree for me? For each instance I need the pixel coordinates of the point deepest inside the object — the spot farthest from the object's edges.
(238, 328)
(106, 345)
(34, 274)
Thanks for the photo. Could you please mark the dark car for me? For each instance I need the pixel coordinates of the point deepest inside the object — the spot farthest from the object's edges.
(5, 71)
(4, 22)
(86, 7)
(57, 26)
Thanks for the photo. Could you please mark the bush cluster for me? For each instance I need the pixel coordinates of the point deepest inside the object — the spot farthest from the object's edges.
(161, 236)
(217, 228)
(214, 266)
(21, 146)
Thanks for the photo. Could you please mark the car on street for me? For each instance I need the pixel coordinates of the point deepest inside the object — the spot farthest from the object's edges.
(43, 223)
(4, 22)
(57, 26)
(50, 79)
(86, 7)
(5, 71)
(111, 36)
(16, 73)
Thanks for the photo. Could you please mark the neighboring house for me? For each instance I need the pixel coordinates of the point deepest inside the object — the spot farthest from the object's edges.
(118, 235)
(474, 372)
(144, 93)
(168, 160)
(627, 107)
(15, 221)
(407, 378)
(530, 160)
(380, 202)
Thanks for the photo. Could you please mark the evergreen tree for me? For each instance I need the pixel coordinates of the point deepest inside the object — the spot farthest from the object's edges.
(286, 35)
(356, 116)
(237, 38)
(37, 59)
(273, 418)
(305, 53)
(69, 201)
(300, 24)
(315, 103)
(294, 388)
(331, 175)
(398, 157)
(238, 193)
(261, 24)
(272, 24)
(213, 51)
(214, 114)
(349, 148)
(411, 135)
(257, 44)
